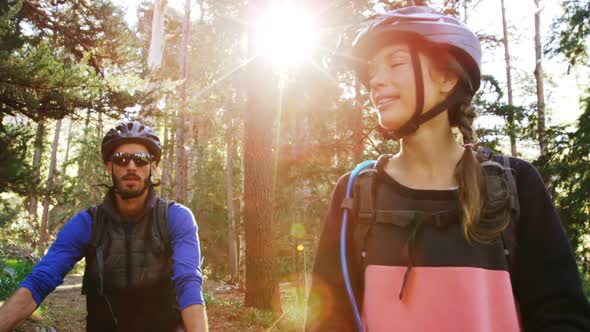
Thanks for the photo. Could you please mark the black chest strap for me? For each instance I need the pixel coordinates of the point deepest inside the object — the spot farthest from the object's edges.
(367, 215)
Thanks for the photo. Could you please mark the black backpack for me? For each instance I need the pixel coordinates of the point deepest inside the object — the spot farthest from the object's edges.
(500, 184)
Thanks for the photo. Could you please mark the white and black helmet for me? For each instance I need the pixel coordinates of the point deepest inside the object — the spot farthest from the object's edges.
(131, 132)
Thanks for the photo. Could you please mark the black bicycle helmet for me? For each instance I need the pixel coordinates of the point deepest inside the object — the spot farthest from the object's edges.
(420, 26)
(131, 132)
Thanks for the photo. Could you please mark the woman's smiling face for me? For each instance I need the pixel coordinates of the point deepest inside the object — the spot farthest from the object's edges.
(393, 88)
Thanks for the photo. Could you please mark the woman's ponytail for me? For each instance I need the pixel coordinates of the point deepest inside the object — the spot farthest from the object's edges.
(469, 177)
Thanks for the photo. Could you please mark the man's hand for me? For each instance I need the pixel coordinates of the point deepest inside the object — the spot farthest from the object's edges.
(194, 318)
(17, 308)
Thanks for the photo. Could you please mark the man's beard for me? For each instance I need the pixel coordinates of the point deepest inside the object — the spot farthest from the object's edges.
(129, 193)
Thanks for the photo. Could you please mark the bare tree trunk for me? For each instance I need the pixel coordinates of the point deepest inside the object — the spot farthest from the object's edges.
(48, 189)
(39, 139)
(82, 161)
(157, 40)
(100, 125)
(262, 288)
(68, 145)
(541, 132)
(170, 165)
(242, 95)
(510, 117)
(231, 211)
(164, 182)
(154, 59)
(181, 162)
(195, 165)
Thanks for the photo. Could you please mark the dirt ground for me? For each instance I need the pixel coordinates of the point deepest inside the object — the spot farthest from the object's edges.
(65, 310)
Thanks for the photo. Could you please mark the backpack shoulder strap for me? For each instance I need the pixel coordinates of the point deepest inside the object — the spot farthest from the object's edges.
(514, 202)
(94, 251)
(98, 225)
(487, 158)
(161, 220)
(364, 195)
(509, 234)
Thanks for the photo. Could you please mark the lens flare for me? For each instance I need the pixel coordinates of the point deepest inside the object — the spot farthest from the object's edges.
(286, 35)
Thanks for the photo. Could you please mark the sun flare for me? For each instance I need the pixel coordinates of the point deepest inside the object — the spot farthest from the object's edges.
(286, 35)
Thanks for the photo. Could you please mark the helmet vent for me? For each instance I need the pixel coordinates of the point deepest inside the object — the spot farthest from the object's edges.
(131, 132)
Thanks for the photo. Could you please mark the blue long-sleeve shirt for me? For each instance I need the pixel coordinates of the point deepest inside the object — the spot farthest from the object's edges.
(73, 238)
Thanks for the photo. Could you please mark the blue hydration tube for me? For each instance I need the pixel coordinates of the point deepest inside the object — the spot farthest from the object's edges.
(343, 263)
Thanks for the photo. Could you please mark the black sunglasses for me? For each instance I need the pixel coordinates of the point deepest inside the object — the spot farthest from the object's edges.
(140, 159)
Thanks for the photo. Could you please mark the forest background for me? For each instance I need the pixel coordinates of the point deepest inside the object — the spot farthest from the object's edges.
(255, 139)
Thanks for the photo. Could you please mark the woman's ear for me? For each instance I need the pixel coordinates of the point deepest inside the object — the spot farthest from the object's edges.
(443, 78)
(448, 80)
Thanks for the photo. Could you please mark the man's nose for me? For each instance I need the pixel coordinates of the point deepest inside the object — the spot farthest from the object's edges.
(132, 165)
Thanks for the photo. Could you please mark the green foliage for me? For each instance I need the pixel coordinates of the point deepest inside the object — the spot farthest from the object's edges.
(9, 24)
(15, 172)
(8, 284)
(54, 70)
(34, 83)
(9, 211)
(571, 32)
(79, 267)
(15, 222)
(89, 185)
(211, 300)
(257, 317)
(489, 102)
(566, 169)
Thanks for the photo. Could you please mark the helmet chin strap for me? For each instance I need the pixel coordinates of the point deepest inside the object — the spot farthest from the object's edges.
(419, 118)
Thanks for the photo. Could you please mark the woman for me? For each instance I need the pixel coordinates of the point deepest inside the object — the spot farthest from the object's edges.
(447, 237)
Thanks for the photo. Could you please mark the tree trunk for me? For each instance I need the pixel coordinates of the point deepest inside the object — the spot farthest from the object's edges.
(68, 145)
(194, 166)
(154, 59)
(510, 117)
(231, 211)
(48, 189)
(164, 182)
(169, 166)
(39, 139)
(157, 41)
(181, 163)
(262, 288)
(541, 132)
(82, 161)
(100, 125)
(242, 94)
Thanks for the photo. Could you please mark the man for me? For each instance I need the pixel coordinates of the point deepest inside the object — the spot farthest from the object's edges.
(142, 253)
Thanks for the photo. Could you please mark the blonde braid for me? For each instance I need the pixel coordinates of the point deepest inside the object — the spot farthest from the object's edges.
(465, 120)
(469, 176)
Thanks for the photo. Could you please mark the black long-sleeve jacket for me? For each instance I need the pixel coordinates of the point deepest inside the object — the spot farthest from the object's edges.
(454, 285)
